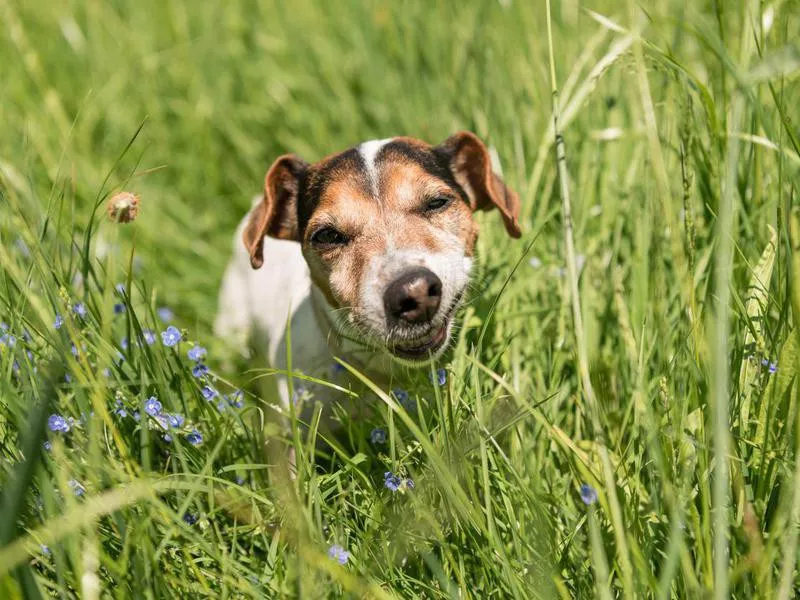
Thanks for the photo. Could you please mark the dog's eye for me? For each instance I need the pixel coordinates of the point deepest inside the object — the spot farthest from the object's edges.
(328, 236)
(437, 203)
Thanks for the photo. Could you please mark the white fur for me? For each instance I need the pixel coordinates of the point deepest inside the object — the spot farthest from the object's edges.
(369, 152)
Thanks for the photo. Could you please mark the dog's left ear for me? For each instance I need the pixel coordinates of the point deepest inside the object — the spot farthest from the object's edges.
(276, 214)
(471, 166)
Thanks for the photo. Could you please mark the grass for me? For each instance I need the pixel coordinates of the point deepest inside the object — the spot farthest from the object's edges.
(680, 266)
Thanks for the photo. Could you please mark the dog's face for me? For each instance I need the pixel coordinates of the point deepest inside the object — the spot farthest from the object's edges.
(387, 231)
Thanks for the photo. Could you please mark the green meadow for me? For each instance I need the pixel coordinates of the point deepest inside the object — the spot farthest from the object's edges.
(619, 415)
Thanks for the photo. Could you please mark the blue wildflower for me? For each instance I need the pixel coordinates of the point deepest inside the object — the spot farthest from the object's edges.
(48, 445)
(377, 436)
(167, 438)
(395, 483)
(136, 416)
(58, 423)
(3, 326)
(588, 494)
(222, 404)
(80, 309)
(152, 407)
(120, 287)
(74, 350)
(773, 367)
(119, 308)
(239, 480)
(339, 554)
(77, 488)
(236, 399)
(199, 370)
(195, 438)
(124, 343)
(59, 322)
(401, 395)
(67, 377)
(440, 378)
(162, 420)
(175, 420)
(208, 392)
(391, 481)
(149, 336)
(190, 518)
(120, 409)
(8, 340)
(196, 353)
(337, 368)
(165, 314)
(45, 550)
(171, 336)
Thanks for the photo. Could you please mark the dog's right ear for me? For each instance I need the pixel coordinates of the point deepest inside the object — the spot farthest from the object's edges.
(276, 214)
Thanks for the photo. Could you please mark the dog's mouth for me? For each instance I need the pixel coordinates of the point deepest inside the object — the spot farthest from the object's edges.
(426, 347)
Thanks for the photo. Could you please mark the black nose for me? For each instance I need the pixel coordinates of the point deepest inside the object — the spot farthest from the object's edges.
(413, 297)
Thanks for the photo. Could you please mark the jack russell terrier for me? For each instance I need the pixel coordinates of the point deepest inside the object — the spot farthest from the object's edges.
(365, 256)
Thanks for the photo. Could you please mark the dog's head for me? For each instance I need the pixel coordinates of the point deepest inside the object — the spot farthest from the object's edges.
(387, 231)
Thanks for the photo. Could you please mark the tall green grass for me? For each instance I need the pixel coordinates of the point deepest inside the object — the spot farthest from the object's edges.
(645, 347)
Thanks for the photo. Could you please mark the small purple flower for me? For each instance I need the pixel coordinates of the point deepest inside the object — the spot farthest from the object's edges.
(222, 404)
(125, 343)
(167, 438)
(588, 494)
(162, 420)
(136, 416)
(171, 336)
(190, 518)
(209, 393)
(337, 368)
(773, 368)
(80, 309)
(45, 550)
(152, 407)
(77, 488)
(149, 336)
(119, 308)
(8, 340)
(239, 480)
(395, 483)
(120, 410)
(67, 377)
(74, 350)
(440, 378)
(199, 370)
(236, 399)
(400, 394)
(165, 314)
(377, 436)
(120, 287)
(58, 423)
(195, 438)
(175, 420)
(339, 554)
(48, 445)
(196, 353)
(59, 322)
(391, 481)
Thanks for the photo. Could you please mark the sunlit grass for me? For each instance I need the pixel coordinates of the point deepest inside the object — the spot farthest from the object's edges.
(651, 451)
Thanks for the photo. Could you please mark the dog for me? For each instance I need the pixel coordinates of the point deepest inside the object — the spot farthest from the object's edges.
(365, 256)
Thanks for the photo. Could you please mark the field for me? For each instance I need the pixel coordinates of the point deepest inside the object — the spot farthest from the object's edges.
(620, 414)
